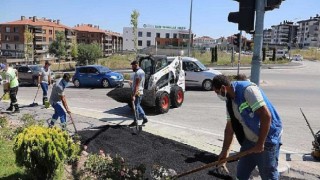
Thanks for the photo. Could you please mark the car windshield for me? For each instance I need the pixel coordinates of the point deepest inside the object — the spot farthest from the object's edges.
(35, 68)
(103, 69)
(201, 66)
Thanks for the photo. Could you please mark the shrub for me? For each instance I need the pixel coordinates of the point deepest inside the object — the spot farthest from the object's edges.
(105, 167)
(43, 151)
(3, 122)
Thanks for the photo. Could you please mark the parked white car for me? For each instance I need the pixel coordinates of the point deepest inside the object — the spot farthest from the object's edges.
(297, 57)
(197, 74)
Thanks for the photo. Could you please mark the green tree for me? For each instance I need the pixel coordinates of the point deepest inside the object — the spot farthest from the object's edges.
(58, 46)
(28, 47)
(90, 52)
(74, 49)
(134, 22)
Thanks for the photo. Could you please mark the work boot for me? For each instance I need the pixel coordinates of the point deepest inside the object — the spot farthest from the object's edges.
(145, 120)
(10, 108)
(134, 123)
(16, 109)
(44, 99)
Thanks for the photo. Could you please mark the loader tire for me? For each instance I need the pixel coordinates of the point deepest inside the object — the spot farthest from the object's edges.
(177, 96)
(162, 103)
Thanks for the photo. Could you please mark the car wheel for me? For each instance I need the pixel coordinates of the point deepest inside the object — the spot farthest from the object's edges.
(105, 83)
(76, 83)
(162, 102)
(35, 82)
(207, 85)
(177, 96)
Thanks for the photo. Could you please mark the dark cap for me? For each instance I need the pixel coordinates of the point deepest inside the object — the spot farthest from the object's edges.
(47, 63)
(135, 62)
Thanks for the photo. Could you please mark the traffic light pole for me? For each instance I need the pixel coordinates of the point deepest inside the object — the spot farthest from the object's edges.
(258, 38)
(240, 42)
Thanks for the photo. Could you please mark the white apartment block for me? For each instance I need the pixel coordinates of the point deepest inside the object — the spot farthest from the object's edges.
(282, 34)
(150, 34)
(308, 32)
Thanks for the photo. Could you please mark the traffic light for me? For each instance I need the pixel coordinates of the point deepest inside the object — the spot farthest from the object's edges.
(236, 39)
(245, 16)
(271, 4)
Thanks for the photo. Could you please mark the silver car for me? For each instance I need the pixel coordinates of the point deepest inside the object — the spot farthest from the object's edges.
(197, 74)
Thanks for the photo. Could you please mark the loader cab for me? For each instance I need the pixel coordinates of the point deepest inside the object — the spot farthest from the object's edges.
(152, 64)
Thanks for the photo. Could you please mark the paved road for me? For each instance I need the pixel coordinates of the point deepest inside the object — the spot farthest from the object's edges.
(200, 121)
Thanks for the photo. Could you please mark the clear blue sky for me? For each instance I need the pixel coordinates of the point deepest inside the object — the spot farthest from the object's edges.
(209, 16)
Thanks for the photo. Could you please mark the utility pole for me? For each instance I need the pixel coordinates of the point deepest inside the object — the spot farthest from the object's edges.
(240, 42)
(258, 38)
(189, 44)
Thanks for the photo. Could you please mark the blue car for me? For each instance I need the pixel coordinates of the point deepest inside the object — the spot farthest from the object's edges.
(98, 76)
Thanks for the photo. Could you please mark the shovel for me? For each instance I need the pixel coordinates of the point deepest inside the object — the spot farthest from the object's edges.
(74, 126)
(2, 96)
(215, 164)
(35, 104)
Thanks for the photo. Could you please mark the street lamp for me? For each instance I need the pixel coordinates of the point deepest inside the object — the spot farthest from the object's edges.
(189, 44)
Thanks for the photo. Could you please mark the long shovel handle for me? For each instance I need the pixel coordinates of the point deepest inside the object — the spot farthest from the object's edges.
(36, 95)
(74, 126)
(2, 96)
(216, 163)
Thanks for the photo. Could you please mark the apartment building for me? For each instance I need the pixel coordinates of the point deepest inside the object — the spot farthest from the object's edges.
(43, 30)
(267, 36)
(110, 42)
(204, 42)
(284, 33)
(308, 32)
(152, 35)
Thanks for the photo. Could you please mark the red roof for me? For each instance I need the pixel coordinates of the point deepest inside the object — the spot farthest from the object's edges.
(38, 22)
(87, 28)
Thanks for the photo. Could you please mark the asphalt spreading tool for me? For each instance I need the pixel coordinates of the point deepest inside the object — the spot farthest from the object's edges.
(2, 96)
(316, 143)
(34, 103)
(215, 164)
(74, 126)
(137, 129)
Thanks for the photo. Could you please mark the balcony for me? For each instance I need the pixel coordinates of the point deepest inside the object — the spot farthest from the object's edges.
(41, 51)
(41, 42)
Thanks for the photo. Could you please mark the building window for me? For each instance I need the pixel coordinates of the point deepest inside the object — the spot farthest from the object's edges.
(7, 29)
(175, 35)
(139, 34)
(16, 38)
(92, 35)
(50, 39)
(148, 34)
(50, 31)
(7, 38)
(167, 35)
(16, 46)
(44, 39)
(15, 29)
(158, 35)
(44, 31)
(7, 46)
(148, 43)
(139, 43)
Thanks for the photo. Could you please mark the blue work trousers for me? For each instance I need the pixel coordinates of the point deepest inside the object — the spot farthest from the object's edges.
(267, 161)
(58, 113)
(139, 110)
(44, 87)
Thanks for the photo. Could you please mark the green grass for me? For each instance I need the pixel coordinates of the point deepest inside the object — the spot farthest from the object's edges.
(310, 54)
(123, 61)
(8, 169)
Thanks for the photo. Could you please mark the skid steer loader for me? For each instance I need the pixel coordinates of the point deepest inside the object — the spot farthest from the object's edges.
(164, 84)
